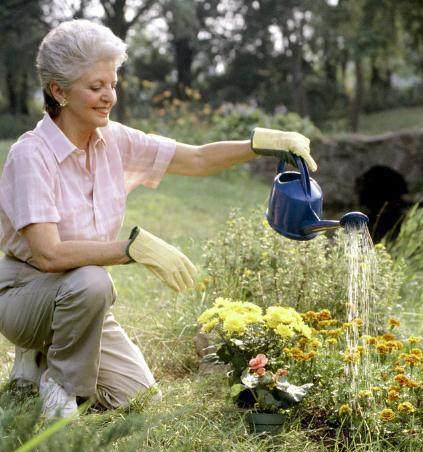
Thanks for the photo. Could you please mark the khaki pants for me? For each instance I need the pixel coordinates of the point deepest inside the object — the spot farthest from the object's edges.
(66, 316)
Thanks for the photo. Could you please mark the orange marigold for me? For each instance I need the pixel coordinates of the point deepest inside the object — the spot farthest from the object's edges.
(393, 395)
(387, 415)
(389, 336)
(324, 314)
(406, 407)
(394, 322)
(401, 379)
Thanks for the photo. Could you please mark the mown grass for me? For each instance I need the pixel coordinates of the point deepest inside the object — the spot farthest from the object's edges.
(392, 120)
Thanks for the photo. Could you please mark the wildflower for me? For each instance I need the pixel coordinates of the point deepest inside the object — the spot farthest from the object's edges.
(387, 415)
(414, 339)
(401, 379)
(411, 384)
(324, 314)
(314, 344)
(259, 361)
(325, 323)
(389, 336)
(406, 407)
(371, 340)
(399, 369)
(351, 357)
(365, 394)
(346, 325)
(334, 333)
(310, 355)
(332, 341)
(382, 349)
(393, 395)
(393, 323)
(358, 322)
(411, 359)
(309, 316)
(376, 389)
(417, 352)
(345, 409)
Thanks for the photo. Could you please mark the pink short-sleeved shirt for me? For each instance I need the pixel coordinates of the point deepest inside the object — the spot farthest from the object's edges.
(45, 180)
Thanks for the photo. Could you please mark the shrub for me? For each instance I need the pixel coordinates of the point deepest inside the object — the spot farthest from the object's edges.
(249, 261)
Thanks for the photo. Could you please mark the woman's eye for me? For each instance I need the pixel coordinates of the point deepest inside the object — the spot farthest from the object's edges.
(95, 88)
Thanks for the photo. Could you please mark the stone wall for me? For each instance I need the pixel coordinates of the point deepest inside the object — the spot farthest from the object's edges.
(343, 160)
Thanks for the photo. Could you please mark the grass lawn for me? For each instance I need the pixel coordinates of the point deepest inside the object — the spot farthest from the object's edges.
(195, 414)
(395, 119)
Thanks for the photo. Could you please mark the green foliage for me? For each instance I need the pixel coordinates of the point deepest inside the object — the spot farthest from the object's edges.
(249, 261)
(12, 126)
(237, 121)
(407, 252)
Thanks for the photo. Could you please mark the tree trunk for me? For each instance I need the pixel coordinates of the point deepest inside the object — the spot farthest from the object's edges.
(184, 54)
(23, 94)
(298, 81)
(121, 112)
(357, 96)
(12, 97)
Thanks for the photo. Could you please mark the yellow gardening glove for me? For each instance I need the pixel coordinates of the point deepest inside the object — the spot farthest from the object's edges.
(279, 144)
(163, 260)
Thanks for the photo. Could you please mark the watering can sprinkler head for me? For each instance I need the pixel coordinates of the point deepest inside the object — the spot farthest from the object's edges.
(295, 205)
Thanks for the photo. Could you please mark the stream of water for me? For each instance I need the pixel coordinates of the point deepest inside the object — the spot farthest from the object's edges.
(362, 268)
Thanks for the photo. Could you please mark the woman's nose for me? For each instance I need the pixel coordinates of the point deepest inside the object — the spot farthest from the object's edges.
(108, 95)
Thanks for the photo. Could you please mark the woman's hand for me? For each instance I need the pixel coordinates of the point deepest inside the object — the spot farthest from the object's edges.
(163, 260)
(278, 143)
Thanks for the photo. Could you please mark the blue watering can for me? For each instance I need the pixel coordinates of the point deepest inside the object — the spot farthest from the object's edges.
(296, 203)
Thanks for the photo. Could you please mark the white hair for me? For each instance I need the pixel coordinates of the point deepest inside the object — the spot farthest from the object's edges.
(69, 50)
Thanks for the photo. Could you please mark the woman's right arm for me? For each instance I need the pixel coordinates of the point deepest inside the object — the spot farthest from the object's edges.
(50, 254)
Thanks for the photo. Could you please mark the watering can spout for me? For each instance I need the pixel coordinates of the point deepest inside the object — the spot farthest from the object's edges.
(349, 220)
(320, 226)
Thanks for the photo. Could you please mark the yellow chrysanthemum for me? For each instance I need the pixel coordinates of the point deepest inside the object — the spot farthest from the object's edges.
(207, 315)
(208, 326)
(387, 415)
(284, 331)
(278, 314)
(234, 323)
(406, 407)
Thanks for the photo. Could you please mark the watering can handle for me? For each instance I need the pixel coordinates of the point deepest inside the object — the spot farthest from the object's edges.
(302, 166)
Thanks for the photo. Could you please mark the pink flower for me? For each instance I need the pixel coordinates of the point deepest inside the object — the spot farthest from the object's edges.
(261, 371)
(259, 361)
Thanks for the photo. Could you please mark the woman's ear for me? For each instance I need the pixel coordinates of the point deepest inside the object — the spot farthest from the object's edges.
(57, 92)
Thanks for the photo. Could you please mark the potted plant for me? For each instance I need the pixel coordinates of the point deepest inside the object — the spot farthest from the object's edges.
(253, 344)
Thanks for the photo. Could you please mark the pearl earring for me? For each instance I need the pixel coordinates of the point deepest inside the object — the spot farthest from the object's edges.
(63, 103)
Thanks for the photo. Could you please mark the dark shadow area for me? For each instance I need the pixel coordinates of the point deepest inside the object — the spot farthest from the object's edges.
(380, 193)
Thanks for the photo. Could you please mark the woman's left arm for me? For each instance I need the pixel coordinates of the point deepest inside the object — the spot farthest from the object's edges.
(209, 158)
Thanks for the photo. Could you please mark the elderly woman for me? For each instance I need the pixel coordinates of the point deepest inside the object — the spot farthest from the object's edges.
(62, 200)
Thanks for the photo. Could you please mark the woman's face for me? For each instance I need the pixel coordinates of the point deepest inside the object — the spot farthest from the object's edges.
(92, 97)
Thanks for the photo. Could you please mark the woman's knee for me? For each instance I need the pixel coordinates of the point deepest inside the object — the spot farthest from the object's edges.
(92, 284)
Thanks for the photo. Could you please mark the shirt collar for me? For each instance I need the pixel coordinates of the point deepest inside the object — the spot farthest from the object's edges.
(57, 141)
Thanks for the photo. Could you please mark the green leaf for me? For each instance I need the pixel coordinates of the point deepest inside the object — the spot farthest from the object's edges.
(236, 389)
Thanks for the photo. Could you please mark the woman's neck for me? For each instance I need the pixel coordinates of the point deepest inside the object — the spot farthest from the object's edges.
(79, 136)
